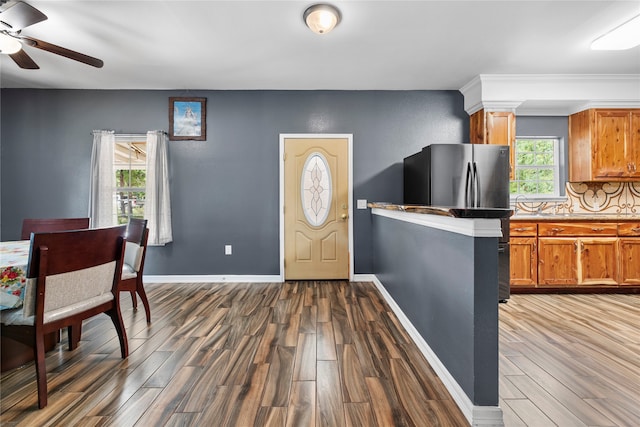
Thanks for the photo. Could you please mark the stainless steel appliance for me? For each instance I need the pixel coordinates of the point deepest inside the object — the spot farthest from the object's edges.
(471, 177)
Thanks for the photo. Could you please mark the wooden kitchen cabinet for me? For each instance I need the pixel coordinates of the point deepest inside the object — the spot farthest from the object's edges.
(630, 261)
(494, 127)
(604, 144)
(523, 261)
(578, 261)
(557, 261)
(523, 254)
(629, 249)
(598, 261)
(593, 258)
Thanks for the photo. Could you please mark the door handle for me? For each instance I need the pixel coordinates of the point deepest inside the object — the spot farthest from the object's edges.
(344, 216)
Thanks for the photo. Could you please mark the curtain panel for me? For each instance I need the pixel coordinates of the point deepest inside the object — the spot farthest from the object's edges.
(157, 209)
(102, 180)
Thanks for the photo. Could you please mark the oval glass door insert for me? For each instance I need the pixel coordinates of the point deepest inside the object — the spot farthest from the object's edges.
(315, 186)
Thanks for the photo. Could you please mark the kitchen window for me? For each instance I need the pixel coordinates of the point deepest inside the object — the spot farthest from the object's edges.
(537, 173)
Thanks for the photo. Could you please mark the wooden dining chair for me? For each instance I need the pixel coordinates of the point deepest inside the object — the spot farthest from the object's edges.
(134, 256)
(31, 225)
(72, 276)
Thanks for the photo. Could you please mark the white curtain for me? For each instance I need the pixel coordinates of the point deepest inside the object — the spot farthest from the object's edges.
(157, 208)
(102, 182)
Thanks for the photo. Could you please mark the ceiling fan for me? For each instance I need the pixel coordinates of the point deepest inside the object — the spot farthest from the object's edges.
(19, 16)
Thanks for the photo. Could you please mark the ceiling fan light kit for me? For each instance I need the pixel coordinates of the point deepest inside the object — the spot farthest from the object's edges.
(9, 45)
(321, 18)
(19, 16)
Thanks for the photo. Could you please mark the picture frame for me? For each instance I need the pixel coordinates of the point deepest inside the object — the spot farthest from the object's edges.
(187, 119)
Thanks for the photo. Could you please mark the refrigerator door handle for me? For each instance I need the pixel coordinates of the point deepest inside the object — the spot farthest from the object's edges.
(468, 187)
(476, 187)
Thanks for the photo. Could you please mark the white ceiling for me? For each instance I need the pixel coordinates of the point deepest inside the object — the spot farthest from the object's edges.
(383, 45)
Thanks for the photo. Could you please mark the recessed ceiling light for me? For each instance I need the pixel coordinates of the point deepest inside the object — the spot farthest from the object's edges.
(623, 37)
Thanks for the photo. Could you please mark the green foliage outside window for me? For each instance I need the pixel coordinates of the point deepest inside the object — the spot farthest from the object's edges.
(535, 167)
(130, 194)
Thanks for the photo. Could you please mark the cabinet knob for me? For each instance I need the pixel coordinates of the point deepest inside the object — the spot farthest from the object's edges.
(557, 229)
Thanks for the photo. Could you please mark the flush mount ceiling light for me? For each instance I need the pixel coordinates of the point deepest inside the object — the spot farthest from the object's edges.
(321, 18)
(9, 45)
(623, 37)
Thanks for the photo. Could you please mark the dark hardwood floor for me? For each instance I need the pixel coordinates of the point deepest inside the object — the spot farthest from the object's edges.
(327, 354)
(250, 354)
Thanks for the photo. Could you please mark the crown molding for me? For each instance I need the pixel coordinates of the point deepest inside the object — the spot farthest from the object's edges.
(550, 94)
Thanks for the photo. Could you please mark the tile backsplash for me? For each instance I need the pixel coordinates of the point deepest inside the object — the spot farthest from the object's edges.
(609, 198)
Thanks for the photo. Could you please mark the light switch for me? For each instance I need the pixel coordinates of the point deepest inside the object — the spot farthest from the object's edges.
(227, 249)
(362, 204)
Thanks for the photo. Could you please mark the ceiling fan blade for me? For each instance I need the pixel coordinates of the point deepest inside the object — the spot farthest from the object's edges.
(20, 16)
(23, 60)
(59, 50)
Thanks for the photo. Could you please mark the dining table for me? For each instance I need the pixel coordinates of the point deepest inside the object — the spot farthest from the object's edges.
(14, 260)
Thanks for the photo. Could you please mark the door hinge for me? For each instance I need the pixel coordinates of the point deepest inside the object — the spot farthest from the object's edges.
(284, 156)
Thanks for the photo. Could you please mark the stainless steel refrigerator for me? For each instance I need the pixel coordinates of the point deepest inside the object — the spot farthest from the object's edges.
(473, 178)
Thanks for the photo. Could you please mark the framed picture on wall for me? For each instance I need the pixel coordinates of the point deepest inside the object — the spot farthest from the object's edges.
(187, 119)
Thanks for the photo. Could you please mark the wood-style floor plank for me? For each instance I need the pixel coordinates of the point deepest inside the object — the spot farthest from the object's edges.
(569, 360)
(326, 353)
(314, 353)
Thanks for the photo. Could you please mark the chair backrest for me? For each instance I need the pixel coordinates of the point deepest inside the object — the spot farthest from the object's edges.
(71, 271)
(52, 224)
(137, 234)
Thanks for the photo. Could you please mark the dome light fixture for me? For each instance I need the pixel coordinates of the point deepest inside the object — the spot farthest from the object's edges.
(9, 45)
(321, 18)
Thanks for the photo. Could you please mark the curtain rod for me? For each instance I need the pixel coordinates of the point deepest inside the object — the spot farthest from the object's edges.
(128, 135)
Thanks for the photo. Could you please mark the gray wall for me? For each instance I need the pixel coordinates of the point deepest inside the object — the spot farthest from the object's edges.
(446, 285)
(224, 190)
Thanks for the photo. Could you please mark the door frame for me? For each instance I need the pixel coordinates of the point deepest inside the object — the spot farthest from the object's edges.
(349, 138)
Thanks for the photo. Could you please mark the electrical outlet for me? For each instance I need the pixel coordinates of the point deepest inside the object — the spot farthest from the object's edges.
(227, 249)
(362, 204)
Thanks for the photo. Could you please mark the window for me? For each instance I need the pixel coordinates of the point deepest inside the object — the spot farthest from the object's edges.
(129, 164)
(536, 167)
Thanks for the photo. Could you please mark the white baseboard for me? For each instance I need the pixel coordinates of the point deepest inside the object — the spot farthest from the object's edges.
(222, 278)
(476, 415)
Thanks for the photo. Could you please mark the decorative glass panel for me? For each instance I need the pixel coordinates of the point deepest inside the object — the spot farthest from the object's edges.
(315, 187)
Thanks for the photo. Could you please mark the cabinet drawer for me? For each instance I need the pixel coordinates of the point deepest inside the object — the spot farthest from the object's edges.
(577, 229)
(629, 229)
(523, 229)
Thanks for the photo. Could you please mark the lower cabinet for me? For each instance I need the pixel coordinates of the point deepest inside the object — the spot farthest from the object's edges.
(598, 261)
(630, 261)
(523, 269)
(575, 254)
(557, 261)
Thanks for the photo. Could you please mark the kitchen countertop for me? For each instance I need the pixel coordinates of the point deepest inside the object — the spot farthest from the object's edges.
(486, 213)
(574, 217)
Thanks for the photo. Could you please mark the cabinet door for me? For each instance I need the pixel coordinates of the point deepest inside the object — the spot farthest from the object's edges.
(523, 261)
(598, 261)
(633, 148)
(630, 261)
(501, 130)
(611, 133)
(557, 261)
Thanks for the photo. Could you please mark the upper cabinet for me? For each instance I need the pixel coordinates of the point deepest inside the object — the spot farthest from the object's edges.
(604, 145)
(494, 127)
